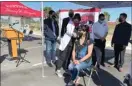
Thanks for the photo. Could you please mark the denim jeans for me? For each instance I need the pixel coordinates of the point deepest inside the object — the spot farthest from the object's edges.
(50, 51)
(75, 69)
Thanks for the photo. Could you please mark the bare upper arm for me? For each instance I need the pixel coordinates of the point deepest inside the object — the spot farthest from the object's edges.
(90, 48)
(73, 48)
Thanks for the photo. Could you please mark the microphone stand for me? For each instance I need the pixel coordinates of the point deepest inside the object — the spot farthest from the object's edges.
(20, 58)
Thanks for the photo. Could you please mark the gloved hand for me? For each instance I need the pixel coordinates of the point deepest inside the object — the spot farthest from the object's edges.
(112, 44)
(74, 35)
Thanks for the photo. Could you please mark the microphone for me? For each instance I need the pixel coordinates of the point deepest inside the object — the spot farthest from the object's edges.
(9, 24)
(15, 23)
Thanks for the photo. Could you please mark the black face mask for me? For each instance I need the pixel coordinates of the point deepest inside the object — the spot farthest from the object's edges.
(71, 15)
(120, 20)
(53, 16)
(79, 35)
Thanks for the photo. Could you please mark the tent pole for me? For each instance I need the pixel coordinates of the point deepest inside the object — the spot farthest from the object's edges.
(42, 33)
(9, 19)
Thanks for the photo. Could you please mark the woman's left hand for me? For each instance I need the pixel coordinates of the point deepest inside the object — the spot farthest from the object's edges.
(77, 62)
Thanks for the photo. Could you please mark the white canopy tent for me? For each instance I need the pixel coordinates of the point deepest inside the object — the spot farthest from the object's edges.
(105, 4)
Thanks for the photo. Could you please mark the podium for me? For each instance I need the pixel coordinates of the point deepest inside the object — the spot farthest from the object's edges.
(13, 40)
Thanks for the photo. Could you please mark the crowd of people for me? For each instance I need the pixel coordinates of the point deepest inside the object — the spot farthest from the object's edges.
(77, 49)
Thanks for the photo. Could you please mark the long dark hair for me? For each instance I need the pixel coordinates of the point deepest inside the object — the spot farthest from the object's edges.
(86, 29)
(77, 16)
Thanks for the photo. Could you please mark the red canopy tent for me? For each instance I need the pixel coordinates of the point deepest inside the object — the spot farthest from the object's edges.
(15, 8)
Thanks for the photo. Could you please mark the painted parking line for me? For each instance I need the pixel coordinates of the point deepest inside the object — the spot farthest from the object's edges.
(38, 64)
(32, 47)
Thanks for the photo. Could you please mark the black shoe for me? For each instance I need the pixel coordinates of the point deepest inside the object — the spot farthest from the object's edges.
(103, 64)
(115, 66)
(98, 66)
(54, 63)
(67, 73)
(49, 64)
(70, 83)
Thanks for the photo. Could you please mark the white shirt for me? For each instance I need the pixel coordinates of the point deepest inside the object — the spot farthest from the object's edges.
(100, 29)
(67, 36)
(91, 32)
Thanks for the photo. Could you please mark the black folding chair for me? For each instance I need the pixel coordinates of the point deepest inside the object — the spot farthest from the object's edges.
(91, 70)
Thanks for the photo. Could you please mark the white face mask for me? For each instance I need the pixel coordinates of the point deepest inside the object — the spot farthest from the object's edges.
(101, 21)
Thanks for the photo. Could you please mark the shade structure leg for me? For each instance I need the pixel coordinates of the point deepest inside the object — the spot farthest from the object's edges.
(42, 33)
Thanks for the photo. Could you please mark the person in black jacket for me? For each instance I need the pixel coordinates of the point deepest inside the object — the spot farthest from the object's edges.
(66, 21)
(51, 32)
(120, 40)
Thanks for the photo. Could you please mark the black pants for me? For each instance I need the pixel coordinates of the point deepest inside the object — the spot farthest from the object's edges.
(64, 58)
(101, 45)
(66, 63)
(94, 57)
(119, 55)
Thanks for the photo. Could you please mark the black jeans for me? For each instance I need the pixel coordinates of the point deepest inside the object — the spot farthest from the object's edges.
(64, 58)
(101, 45)
(119, 55)
(94, 59)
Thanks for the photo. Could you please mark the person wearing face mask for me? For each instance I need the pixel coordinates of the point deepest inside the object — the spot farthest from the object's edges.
(51, 32)
(100, 30)
(81, 55)
(66, 44)
(63, 31)
(120, 39)
(66, 21)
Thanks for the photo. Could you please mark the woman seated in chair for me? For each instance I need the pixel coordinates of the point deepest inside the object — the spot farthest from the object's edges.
(81, 55)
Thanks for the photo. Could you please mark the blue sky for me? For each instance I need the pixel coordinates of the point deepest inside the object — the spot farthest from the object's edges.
(114, 12)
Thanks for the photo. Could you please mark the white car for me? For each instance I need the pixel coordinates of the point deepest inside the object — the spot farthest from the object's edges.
(26, 30)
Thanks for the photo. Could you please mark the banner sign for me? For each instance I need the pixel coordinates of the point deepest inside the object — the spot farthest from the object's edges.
(87, 15)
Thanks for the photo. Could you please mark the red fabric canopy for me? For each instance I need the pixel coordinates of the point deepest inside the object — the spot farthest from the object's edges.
(15, 8)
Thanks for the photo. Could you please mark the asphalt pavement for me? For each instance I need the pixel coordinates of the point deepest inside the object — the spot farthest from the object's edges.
(31, 74)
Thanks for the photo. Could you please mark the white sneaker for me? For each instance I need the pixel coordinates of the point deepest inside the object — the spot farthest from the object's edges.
(58, 73)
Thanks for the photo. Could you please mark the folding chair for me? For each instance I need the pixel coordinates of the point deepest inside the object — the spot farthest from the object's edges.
(92, 69)
(85, 73)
